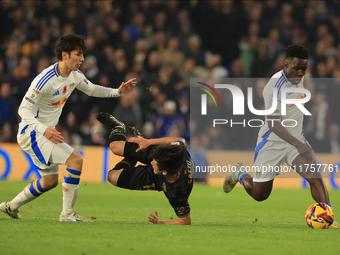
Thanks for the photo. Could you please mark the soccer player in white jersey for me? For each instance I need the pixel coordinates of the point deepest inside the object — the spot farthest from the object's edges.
(40, 110)
(277, 144)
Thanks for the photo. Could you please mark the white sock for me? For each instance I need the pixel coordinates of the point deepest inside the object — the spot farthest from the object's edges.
(70, 193)
(22, 198)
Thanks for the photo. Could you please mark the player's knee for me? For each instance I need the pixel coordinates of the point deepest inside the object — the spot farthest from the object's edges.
(260, 197)
(316, 179)
(114, 147)
(78, 158)
(112, 177)
(75, 161)
(117, 147)
(54, 183)
(50, 184)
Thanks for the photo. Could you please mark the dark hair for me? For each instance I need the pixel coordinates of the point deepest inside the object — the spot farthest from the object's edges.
(297, 51)
(69, 43)
(170, 157)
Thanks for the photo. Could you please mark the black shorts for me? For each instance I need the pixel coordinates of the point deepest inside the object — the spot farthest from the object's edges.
(140, 177)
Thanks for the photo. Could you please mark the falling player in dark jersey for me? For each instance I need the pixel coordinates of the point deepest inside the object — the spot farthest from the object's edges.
(168, 167)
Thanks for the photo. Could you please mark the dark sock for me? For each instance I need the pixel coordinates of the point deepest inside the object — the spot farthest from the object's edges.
(117, 134)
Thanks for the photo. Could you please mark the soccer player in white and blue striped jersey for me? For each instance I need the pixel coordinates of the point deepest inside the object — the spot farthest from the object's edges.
(40, 110)
(277, 144)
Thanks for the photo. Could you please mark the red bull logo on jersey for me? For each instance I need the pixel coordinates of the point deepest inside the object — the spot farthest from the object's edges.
(59, 103)
(300, 96)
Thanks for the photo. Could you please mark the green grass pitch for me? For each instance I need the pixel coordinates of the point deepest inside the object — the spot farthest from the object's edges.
(221, 223)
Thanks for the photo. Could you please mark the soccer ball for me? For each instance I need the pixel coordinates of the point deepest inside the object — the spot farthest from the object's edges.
(319, 215)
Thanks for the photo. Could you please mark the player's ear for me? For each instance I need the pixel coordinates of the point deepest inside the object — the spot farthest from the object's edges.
(164, 172)
(286, 63)
(65, 55)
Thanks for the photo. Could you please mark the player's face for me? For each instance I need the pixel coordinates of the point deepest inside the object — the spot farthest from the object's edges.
(295, 69)
(155, 167)
(74, 60)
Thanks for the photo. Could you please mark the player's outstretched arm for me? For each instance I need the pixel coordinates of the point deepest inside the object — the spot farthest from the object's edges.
(153, 218)
(145, 143)
(94, 90)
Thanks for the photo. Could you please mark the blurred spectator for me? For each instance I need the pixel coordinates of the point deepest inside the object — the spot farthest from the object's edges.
(276, 66)
(80, 104)
(248, 53)
(237, 69)
(13, 56)
(171, 55)
(96, 132)
(319, 123)
(7, 135)
(188, 71)
(261, 64)
(214, 64)
(90, 68)
(42, 64)
(195, 50)
(127, 42)
(160, 22)
(185, 31)
(129, 110)
(19, 83)
(152, 66)
(275, 47)
(36, 53)
(199, 156)
(140, 49)
(121, 68)
(72, 128)
(9, 118)
(3, 75)
(166, 81)
(334, 141)
(169, 120)
(148, 130)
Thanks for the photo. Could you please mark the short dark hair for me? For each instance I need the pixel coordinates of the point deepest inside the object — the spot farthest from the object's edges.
(69, 43)
(297, 51)
(170, 157)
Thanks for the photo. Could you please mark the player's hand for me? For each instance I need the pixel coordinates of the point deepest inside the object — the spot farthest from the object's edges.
(142, 142)
(305, 151)
(53, 135)
(126, 86)
(153, 218)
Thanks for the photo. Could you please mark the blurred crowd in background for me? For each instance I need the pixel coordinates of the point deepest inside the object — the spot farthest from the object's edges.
(164, 44)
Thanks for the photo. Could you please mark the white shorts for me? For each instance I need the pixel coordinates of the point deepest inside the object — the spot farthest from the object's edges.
(269, 157)
(45, 154)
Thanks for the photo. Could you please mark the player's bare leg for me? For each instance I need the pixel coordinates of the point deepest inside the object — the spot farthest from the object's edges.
(258, 190)
(317, 186)
(32, 191)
